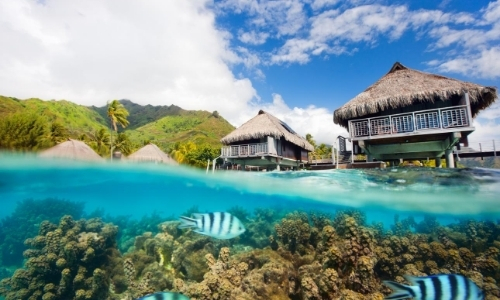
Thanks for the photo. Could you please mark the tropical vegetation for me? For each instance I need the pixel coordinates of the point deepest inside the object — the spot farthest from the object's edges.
(320, 151)
(29, 132)
(191, 137)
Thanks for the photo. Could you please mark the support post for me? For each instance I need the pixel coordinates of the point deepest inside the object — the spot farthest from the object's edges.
(213, 163)
(333, 153)
(337, 154)
(438, 162)
(450, 160)
(469, 113)
(352, 151)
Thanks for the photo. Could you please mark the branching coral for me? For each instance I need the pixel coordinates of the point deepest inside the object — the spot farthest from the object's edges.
(293, 232)
(18, 226)
(311, 257)
(69, 262)
(259, 275)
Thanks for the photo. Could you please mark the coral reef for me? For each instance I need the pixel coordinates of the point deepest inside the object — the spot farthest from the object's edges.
(71, 260)
(19, 226)
(259, 274)
(294, 255)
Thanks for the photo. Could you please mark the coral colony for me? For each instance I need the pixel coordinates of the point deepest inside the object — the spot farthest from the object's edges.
(293, 255)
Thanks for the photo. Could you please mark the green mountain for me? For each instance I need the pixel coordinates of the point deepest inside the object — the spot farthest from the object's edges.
(163, 125)
(76, 118)
(142, 115)
(166, 125)
(200, 127)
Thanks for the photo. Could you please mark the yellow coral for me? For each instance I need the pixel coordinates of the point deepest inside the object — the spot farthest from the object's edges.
(162, 257)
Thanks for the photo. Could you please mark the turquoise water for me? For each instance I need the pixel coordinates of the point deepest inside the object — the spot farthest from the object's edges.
(135, 191)
(139, 189)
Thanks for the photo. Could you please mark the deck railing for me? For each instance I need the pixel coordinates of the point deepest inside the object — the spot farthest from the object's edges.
(244, 150)
(417, 121)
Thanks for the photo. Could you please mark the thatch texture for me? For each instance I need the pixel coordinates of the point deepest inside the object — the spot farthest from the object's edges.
(151, 153)
(403, 87)
(71, 149)
(262, 125)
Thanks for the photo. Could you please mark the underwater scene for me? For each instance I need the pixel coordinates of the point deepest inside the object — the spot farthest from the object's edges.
(75, 230)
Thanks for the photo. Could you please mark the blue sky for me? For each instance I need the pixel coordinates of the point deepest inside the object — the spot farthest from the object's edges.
(297, 59)
(329, 78)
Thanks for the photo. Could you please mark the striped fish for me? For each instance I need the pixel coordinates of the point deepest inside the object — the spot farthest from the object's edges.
(220, 225)
(436, 287)
(164, 296)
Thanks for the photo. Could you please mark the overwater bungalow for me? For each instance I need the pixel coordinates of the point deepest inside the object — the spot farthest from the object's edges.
(409, 114)
(151, 153)
(267, 142)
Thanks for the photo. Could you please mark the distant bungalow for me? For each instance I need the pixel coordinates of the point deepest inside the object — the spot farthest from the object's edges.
(267, 142)
(151, 153)
(408, 114)
(71, 149)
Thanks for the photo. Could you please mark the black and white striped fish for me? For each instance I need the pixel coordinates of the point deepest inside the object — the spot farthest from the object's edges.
(164, 296)
(220, 225)
(436, 287)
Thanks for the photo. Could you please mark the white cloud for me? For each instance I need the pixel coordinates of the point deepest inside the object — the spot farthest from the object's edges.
(282, 18)
(491, 114)
(94, 51)
(433, 62)
(492, 12)
(295, 50)
(337, 31)
(465, 37)
(314, 120)
(487, 125)
(332, 31)
(318, 4)
(485, 133)
(485, 64)
(152, 53)
(253, 37)
(362, 23)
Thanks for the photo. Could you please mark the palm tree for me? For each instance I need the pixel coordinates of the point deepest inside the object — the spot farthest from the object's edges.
(57, 133)
(123, 143)
(118, 114)
(100, 141)
(180, 151)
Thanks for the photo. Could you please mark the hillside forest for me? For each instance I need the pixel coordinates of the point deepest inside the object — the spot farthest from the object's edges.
(190, 137)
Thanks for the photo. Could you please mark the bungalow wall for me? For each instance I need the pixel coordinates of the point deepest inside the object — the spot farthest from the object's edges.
(304, 155)
(292, 151)
(279, 147)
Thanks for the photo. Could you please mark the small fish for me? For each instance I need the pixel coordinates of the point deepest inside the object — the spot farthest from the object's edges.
(164, 296)
(220, 225)
(436, 287)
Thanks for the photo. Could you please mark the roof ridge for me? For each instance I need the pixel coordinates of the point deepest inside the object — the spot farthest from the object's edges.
(398, 66)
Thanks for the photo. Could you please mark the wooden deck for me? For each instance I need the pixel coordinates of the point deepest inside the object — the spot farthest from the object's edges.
(355, 165)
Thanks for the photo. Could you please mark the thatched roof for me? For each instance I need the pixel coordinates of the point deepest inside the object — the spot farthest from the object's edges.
(403, 87)
(265, 124)
(151, 153)
(71, 149)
